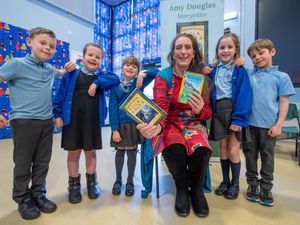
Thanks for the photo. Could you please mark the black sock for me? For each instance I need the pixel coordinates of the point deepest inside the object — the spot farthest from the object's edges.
(131, 162)
(225, 165)
(119, 161)
(235, 169)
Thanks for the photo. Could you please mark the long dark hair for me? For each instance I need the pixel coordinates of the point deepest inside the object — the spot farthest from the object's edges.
(197, 63)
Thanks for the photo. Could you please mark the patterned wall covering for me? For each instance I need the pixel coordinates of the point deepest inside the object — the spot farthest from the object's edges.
(135, 31)
(13, 44)
(102, 34)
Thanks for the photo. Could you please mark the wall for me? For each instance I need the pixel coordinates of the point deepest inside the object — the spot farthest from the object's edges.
(32, 13)
(244, 26)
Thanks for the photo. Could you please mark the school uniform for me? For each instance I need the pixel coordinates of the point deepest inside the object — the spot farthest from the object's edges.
(264, 115)
(83, 115)
(30, 83)
(231, 101)
(119, 120)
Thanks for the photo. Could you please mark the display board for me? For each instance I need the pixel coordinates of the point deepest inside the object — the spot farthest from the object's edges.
(13, 44)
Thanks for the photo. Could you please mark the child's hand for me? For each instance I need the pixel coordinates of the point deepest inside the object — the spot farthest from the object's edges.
(70, 66)
(116, 136)
(274, 131)
(206, 70)
(235, 128)
(140, 78)
(240, 62)
(196, 102)
(58, 122)
(3, 121)
(92, 90)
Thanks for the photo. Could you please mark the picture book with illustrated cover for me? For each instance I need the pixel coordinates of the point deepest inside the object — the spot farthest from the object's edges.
(191, 82)
(141, 109)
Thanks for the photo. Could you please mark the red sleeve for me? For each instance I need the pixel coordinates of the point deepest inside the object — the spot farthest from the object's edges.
(160, 95)
(206, 111)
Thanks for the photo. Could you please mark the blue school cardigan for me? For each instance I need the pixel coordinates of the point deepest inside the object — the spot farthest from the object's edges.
(62, 104)
(241, 95)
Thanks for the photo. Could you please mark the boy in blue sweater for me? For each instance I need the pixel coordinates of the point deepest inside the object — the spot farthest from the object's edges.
(266, 119)
(125, 136)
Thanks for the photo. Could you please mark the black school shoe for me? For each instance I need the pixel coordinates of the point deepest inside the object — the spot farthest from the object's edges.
(222, 189)
(233, 192)
(44, 204)
(28, 209)
(129, 189)
(116, 190)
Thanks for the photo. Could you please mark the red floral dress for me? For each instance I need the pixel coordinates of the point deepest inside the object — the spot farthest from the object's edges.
(181, 126)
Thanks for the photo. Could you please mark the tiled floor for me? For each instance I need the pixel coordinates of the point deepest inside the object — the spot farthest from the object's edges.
(112, 210)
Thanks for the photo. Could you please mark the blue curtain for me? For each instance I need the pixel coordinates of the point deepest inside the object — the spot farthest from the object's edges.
(136, 31)
(131, 28)
(102, 33)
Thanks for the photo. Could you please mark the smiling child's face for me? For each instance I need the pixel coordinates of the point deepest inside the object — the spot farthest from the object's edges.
(92, 58)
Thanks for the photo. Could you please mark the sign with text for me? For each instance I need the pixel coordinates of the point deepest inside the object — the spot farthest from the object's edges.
(203, 19)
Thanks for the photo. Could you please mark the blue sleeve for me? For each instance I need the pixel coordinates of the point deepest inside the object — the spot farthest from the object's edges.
(242, 98)
(107, 80)
(151, 73)
(55, 72)
(286, 87)
(113, 111)
(60, 97)
(8, 70)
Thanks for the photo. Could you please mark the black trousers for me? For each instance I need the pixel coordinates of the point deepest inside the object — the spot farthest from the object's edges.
(32, 141)
(263, 145)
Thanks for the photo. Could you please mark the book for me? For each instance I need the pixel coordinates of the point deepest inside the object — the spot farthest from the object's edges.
(141, 109)
(191, 82)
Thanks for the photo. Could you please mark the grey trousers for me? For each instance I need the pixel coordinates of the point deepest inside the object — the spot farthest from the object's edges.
(262, 145)
(32, 141)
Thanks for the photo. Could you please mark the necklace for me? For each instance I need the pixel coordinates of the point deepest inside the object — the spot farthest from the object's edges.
(177, 74)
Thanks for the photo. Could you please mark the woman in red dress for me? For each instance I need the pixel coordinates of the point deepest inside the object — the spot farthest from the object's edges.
(186, 149)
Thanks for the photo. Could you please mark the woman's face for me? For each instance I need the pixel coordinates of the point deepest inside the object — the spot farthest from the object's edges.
(183, 52)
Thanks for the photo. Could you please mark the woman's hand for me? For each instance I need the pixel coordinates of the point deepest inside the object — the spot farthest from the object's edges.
(196, 102)
(149, 130)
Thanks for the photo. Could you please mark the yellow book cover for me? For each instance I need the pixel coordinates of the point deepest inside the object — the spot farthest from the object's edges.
(141, 109)
(191, 82)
